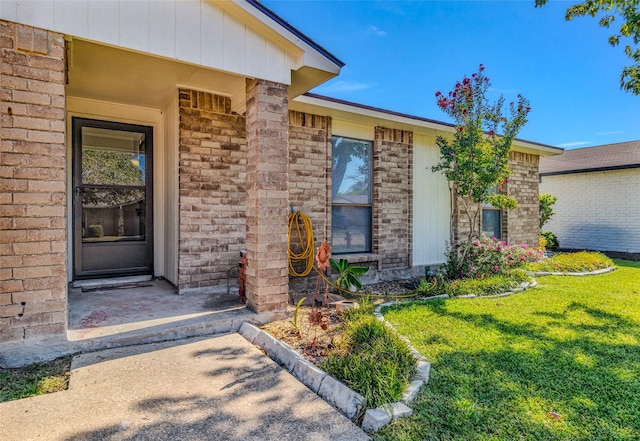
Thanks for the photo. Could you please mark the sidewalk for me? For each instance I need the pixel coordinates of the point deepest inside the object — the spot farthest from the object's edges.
(216, 388)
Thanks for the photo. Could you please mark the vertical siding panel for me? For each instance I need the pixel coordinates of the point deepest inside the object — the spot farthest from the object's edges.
(104, 21)
(234, 44)
(431, 204)
(188, 30)
(212, 36)
(171, 191)
(255, 54)
(276, 61)
(38, 13)
(9, 10)
(70, 17)
(162, 28)
(134, 24)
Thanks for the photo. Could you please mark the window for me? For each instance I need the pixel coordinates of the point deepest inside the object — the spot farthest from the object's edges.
(351, 195)
(492, 222)
(492, 219)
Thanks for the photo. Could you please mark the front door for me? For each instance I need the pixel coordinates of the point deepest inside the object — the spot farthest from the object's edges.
(112, 202)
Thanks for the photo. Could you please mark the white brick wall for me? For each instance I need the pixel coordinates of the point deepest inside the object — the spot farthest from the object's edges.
(598, 210)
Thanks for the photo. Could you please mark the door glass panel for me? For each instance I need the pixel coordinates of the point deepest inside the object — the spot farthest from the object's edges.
(113, 185)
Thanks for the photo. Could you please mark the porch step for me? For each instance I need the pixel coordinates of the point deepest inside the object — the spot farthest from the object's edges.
(111, 283)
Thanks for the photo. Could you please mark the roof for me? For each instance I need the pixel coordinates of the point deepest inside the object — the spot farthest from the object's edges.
(412, 120)
(618, 156)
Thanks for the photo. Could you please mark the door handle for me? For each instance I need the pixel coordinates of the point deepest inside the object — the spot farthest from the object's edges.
(78, 190)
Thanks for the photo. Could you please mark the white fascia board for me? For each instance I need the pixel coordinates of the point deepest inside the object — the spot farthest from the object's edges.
(306, 54)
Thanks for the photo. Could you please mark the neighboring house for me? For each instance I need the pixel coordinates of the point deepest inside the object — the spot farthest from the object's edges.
(179, 133)
(598, 207)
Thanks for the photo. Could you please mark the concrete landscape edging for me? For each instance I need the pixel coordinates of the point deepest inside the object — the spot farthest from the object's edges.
(334, 392)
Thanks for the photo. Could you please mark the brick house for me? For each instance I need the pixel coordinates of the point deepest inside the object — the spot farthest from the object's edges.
(161, 138)
(598, 207)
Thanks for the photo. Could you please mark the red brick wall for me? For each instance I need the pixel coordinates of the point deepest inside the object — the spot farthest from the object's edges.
(33, 282)
(212, 189)
(393, 197)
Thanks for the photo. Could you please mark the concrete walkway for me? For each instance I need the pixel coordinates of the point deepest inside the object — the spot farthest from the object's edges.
(215, 388)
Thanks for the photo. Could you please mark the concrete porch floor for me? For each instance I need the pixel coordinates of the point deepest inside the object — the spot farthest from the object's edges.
(102, 318)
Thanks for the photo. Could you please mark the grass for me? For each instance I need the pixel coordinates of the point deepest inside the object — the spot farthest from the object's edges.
(37, 379)
(582, 261)
(503, 368)
(375, 362)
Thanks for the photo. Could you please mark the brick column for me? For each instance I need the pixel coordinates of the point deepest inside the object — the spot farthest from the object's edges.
(393, 197)
(33, 225)
(522, 223)
(267, 196)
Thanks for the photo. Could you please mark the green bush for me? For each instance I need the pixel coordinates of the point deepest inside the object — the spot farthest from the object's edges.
(378, 364)
(583, 261)
(552, 240)
(96, 231)
(485, 286)
(487, 257)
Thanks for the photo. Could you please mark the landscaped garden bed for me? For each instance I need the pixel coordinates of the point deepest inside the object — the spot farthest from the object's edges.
(560, 362)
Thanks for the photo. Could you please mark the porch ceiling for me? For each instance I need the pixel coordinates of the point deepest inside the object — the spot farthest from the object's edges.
(106, 73)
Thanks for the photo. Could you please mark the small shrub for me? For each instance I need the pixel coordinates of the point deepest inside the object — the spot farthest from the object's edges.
(428, 287)
(96, 231)
(582, 261)
(485, 286)
(552, 240)
(378, 364)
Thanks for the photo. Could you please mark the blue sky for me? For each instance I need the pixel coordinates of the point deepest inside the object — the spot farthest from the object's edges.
(399, 53)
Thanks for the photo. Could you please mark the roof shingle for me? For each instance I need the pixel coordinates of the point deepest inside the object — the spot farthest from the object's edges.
(590, 159)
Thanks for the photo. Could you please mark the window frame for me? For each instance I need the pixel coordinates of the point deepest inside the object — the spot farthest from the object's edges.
(488, 207)
(369, 179)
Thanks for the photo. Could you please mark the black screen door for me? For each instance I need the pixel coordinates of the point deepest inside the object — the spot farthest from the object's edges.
(112, 199)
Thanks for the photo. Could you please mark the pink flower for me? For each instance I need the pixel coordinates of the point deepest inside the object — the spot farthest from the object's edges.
(490, 133)
(438, 93)
(495, 268)
(479, 276)
(481, 68)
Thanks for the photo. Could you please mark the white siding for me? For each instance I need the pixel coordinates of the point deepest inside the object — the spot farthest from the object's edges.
(350, 130)
(430, 204)
(194, 31)
(597, 211)
(170, 181)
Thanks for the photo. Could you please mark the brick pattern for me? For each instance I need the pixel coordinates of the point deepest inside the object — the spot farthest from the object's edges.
(267, 280)
(33, 232)
(310, 170)
(212, 189)
(393, 197)
(521, 225)
(596, 210)
(461, 222)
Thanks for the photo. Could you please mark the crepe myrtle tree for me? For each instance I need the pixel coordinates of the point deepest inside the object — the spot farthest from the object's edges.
(474, 159)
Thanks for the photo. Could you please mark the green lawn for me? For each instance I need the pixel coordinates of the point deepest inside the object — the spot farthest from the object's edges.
(500, 366)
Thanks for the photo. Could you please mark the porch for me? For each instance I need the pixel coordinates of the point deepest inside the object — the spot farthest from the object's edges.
(138, 310)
